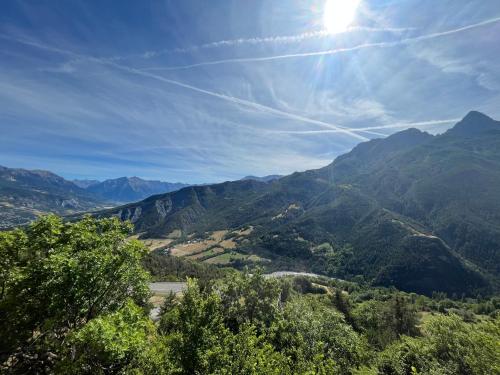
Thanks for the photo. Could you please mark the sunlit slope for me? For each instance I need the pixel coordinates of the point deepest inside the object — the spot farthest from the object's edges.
(25, 195)
(412, 210)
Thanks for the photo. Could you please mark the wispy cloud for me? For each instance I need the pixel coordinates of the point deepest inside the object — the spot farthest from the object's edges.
(285, 39)
(400, 125)
(243, 102)
(332, 51)
(67, 105)
(228, 98)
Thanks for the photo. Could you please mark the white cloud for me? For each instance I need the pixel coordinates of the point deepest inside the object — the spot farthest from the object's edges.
(405, 41)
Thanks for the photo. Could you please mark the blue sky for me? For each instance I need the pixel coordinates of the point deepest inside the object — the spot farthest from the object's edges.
(206, 91)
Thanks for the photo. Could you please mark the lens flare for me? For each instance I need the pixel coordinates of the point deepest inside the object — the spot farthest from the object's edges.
(339, 14)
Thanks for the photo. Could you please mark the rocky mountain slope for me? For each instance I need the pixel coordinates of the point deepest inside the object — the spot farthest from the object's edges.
(24, 195)
(417, 211)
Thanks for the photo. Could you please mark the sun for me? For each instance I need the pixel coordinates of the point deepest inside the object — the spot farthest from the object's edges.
(339, 14)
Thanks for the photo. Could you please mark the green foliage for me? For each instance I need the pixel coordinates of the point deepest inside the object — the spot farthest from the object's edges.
(12, 245)
(195, 332)
(309, 331)
(74, 300)
(405, 357)
(385, 322)
(448, 346)
(61, 276)
(171, 268)
(249, 299)
(251, 355)
(122, 342)
(303, 285)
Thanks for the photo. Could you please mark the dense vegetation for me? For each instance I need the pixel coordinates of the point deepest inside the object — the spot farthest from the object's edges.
(170, 268)
(413, 210)
(74, 299)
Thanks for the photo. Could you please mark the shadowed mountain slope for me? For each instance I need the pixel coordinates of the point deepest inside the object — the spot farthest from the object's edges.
(413, 210)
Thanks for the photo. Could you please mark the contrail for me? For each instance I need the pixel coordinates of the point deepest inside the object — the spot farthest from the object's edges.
(228, 98)
(286, 39)
(246, 103)
(371, 128)
(411, 124)
(331, 51)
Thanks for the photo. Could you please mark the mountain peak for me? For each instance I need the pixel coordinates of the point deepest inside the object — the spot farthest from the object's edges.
(476, 116)
(411, 135)
(130, 189)
(474, 123)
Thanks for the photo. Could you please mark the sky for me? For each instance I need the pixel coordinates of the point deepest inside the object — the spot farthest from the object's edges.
(204, 91)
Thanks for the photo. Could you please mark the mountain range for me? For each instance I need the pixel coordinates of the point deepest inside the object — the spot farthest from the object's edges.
(127, 189)
(27, 194)
(413, 210)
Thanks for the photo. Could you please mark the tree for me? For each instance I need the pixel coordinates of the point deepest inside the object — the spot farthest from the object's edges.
(253, 355)
(62, 276)
(195, 332)
(448, 346)
(384, 322)
(342, 304)
(11, 258)
(249, 299)
(312, 334)
(401, 317)
(121, 342)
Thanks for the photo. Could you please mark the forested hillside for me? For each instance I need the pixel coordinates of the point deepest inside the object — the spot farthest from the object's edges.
(416, 211)
(74, 300)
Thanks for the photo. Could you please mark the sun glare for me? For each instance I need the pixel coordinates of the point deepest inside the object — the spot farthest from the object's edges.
(339, 14)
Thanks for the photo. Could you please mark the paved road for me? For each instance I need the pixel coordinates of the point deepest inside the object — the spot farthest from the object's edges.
(291, 273)
(164, 288)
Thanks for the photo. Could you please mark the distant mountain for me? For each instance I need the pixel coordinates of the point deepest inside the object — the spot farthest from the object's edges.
(25, 194)
(84, 184)
(474, 124)
(130, 189)
(263, 179)
(413, 210)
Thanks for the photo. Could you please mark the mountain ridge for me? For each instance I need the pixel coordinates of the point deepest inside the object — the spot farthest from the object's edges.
(26, 194)
(130, 189)
(383, 204)
(268, 178)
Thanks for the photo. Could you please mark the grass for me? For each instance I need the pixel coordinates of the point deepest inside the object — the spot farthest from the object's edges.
(231, 256)
(207, 254)
(200, 248)
(218, 248)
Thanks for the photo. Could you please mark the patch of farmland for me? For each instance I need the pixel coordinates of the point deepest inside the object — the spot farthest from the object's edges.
(207, 254)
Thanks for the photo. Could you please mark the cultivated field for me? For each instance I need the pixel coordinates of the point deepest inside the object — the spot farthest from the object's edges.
(218, 247)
